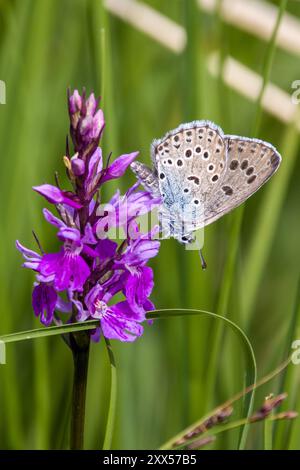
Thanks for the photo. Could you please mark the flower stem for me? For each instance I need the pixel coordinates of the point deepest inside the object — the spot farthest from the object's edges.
(80, 345)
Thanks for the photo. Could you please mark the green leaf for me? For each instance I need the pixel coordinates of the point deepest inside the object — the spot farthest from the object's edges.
(49, 331)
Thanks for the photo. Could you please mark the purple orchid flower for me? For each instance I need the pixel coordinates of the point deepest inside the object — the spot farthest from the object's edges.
(119, 166)
(117, 321)
(68, 267)
(56, 196)
(32, 259)
(138, 287)
(96, 175)
(140, 249)
(121, 211)
(89, 268)
(44, 299)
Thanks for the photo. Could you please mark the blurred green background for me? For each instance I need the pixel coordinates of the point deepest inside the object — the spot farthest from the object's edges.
(182, 367)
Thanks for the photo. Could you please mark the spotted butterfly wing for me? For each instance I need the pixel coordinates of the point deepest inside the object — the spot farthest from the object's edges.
(250, 163)
(190, 163)
(203, 174)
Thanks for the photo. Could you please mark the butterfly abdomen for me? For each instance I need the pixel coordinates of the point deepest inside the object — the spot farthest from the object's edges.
(147, 177)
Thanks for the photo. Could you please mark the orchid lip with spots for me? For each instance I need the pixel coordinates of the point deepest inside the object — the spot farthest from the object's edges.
(81, 279)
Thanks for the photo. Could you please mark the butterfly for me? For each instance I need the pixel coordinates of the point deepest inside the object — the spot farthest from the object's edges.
(202, 174)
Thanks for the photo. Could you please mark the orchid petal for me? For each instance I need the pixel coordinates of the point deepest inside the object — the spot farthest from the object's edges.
(56, 196)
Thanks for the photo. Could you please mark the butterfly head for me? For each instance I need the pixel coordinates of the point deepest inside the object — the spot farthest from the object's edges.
(185, 239)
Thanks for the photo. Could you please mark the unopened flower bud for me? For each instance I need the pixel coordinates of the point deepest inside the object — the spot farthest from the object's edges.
(86, 123)
(77, 166)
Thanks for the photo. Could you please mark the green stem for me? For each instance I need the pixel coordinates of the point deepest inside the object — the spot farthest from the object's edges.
(268, 434)
(80, 345)
(113, 399)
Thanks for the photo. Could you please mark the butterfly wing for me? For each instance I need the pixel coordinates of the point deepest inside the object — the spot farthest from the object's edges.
(250, 163)
(202, 174)
(190, 162)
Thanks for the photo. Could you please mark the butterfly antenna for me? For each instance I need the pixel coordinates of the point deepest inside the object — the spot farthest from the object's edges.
(203, 262)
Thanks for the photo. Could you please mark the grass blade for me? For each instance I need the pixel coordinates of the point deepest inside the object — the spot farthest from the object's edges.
(267, 221)
(268, 434)
(242, 422)
(251, 369)
(289, 381)
(268, 66)
(112, 401)
(50, 331)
